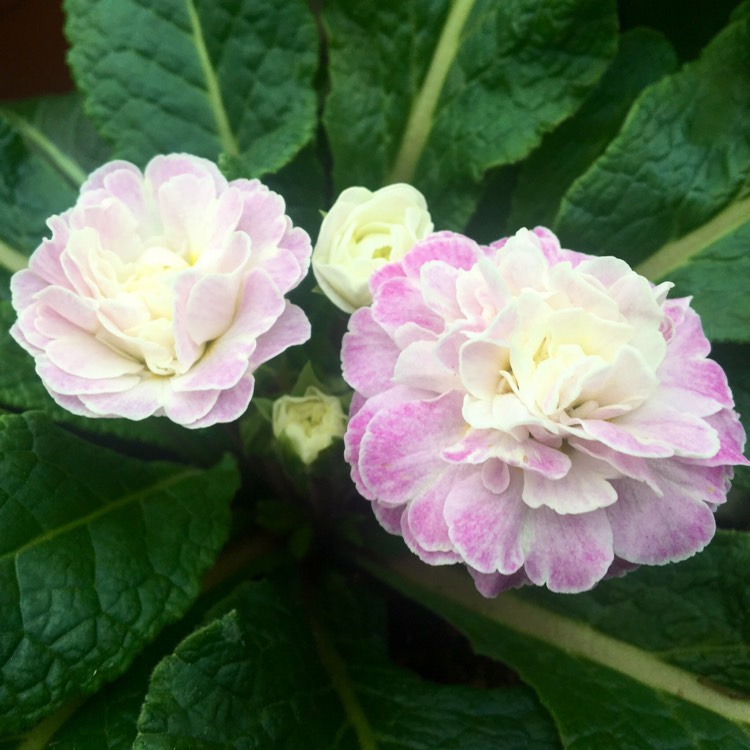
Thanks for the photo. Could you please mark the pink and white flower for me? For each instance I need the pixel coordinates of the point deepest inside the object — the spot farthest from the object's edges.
(540, 415)
(159, 293)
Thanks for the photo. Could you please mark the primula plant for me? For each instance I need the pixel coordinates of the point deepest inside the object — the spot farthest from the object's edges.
(374, 377)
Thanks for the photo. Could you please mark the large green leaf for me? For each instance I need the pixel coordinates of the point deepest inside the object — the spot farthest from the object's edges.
(672, 191)
(435, 93)
(660, 658)
(281, 668)
(21, 389)
(201, 76)
(97, 553)
(643, 57)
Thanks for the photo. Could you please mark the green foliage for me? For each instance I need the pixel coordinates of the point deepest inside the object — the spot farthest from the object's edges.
(407, 107)
(667, 649)
(538, 112)
(97, 553)
(303, 669)
(642, 58)
(201, 76)
(672, 190)
(31, 189)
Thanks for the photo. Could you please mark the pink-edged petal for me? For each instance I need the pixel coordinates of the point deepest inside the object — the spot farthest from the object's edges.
(290, 329)
(448, 247)
(389, 516)
(71, 385)
(146, 399)
(653, 530)
(398, 302)
(360, 416)
(400, 452)
(221, 367)
(162, 169)
(584, 488)
(732, 438)
(187, 407)
(260, 306)
(569, 553)
(424, 521)
(88, 358)
(418, 367)
(211, 307)
(490, 585)
(368, 354)
(487, 528)
(438, 281)
(478, 446)
(230, 405)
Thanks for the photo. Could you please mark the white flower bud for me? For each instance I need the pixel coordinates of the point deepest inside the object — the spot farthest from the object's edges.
(309, 423)
(361, 233)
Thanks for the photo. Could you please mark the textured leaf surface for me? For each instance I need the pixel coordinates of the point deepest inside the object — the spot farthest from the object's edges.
(97, 553)
(643, 57)
(667, 649)
(21, 389)
(409, 105)
(672, 191)
(200, 76)
(280, 673)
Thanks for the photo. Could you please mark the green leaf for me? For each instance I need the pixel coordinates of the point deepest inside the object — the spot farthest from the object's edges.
(644, 56)
(436, 95)
(57, 127)
(32, 188)
(660, 658)
(200, 76)
(21, 389)
(672, 191)
(97, 553)
(280, 668)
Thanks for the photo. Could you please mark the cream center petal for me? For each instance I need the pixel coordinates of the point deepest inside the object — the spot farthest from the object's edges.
(138, 316)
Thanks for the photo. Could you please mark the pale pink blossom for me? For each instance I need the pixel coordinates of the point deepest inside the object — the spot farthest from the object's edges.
(159, 293)
(540, 415)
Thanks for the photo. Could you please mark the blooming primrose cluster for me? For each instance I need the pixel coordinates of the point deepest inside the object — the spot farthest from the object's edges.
(540, 415)
(160, 293)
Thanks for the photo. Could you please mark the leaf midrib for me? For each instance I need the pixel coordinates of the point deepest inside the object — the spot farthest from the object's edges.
(563, 633)
(111, 507)
(215, 100)
(420, 119)
(677, 253)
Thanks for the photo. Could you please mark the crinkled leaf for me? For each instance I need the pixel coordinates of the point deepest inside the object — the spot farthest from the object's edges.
(97, 553)
(21, 389)
(644, 56)
(277, 670)
(200, 76)
(660, 658)
(406, 105)
(672, 191)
